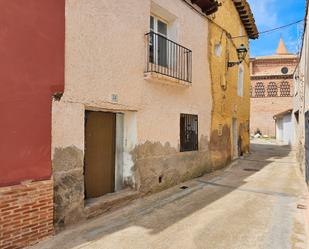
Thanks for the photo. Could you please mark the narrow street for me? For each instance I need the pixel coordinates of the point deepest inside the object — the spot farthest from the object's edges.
(251, 204)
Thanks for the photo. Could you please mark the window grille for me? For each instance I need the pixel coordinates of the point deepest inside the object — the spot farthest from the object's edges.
(285, 90)
(259, 90)
(272, 89)
(251, 92)
(188, 132)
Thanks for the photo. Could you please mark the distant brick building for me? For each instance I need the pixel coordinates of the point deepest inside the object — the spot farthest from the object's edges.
(271, 88)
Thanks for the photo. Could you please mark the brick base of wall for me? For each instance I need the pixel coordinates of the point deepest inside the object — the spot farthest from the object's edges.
(26, 214)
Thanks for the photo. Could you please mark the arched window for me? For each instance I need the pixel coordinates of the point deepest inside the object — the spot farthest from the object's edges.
(259, 90)
(285, 90)
(272, 89)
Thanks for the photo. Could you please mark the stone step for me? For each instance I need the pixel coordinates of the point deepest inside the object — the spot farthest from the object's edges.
(108, 202)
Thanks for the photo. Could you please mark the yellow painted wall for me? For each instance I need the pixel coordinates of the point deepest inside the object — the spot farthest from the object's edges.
(226, 102)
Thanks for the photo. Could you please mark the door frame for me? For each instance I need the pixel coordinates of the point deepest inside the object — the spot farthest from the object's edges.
(306, 145)
(119, 146)
(235, 153)
(155, 40)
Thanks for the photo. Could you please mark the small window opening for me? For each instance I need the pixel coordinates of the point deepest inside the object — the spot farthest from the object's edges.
(240, 81)
(188, 132)
(218, 49)
(296, 114)
(284, 70)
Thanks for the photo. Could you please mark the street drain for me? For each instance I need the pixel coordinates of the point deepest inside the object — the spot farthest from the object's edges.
(255, 170)
(184, 187)
(300, 206)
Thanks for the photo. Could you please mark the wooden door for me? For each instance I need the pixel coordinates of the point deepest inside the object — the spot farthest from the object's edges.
(100, 131)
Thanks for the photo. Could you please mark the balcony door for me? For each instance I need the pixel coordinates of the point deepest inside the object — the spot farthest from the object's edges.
(158, 41)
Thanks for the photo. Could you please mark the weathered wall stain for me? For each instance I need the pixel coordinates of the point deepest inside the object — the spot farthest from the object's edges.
(68, 186)
(244, 143)
(301, 157)
(66, 159)
(158, 166)
(220, 147)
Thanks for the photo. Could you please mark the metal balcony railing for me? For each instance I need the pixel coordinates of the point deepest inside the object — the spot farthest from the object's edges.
(168, 58)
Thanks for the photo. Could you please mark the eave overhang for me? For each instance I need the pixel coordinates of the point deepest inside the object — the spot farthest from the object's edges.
(207, 6)
(247, 18)
(281, 114)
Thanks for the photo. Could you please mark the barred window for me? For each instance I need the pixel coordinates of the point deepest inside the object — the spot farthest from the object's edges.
(272, 89)
(259, 90)
(285, 90)
(251, 93)
(188, 132)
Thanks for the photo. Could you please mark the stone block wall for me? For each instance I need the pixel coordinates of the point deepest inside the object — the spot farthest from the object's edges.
(68, 186)
(158, 167)
(26, 214)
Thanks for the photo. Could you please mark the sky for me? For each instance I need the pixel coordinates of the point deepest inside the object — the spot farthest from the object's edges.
(270, 14)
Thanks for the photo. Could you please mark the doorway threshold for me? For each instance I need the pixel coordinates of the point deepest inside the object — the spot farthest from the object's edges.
(108, 202)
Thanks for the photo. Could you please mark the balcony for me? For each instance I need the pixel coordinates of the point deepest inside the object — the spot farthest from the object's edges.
(167, 60)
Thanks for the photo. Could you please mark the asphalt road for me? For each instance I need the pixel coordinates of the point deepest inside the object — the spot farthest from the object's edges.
(251, 204)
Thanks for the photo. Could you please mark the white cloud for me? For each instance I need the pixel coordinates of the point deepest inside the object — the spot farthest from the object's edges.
(265, 14)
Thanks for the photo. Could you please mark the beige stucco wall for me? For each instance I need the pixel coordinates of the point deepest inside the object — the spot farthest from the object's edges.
(106, 55)
(67, 132)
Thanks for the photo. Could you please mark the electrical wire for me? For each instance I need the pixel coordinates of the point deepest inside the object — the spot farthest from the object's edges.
(274, 29)
(260, 33)
(303, 37)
